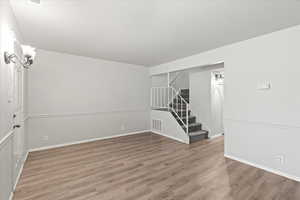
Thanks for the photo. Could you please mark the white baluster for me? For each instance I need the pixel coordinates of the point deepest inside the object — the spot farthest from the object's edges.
(157, 93)
(181, 113)
(187, 119)
(168, 90)
(161, 97)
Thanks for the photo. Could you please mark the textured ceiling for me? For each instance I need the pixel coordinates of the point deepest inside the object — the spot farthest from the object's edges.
(148, 32)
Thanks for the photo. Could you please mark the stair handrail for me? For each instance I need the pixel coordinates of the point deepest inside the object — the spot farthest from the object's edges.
(159, 97)
(175, 78)
(177, 92)
(182, 100)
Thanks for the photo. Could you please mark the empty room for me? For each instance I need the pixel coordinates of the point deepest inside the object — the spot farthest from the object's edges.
(149, 100)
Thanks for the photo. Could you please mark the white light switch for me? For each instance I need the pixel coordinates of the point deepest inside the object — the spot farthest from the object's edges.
(264, 86)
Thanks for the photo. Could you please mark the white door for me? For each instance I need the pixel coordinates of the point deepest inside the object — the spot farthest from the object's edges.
(18, 109)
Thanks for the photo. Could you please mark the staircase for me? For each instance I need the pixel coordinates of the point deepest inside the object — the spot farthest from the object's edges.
(180, 113)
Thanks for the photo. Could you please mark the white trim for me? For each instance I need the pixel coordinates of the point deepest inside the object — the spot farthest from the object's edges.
(215, 136)
(171, 137)
(274, 171)
(155, 72)
(5, 138)
(86, 141)
(278, 125)
(51, 115)
(11, 196)
(21, 170)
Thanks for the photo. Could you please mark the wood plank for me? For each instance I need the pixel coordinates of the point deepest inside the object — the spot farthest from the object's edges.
(147, 167)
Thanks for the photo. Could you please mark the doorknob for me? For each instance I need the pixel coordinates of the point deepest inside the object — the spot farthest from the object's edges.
(16, 126)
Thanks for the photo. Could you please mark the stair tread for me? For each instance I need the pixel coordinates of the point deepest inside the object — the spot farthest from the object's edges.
(181, 110)
(191, 116)
(184, 90)
(198, 133)
(184, 117)
(195, 124)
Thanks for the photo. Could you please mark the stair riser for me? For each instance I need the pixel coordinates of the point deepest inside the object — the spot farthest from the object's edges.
(194, 128)
(178, 106)
(185, 96)
(183, 114)
(198, 137)
(191, 121)
(184, 92)
(178, 102)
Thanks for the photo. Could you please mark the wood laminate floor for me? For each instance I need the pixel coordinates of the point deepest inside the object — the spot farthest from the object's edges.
(147, 167)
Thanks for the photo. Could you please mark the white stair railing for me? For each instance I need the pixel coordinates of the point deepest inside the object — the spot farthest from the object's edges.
(159, 97)
(177, 75)
(168, 98)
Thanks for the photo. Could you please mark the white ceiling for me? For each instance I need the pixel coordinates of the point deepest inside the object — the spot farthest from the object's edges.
(148, 32)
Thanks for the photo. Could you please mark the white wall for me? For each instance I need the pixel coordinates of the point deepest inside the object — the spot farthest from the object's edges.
(73, 98)
(182, 81)
(160, 80)
(259, 125)
(170, 127)
(11, 154)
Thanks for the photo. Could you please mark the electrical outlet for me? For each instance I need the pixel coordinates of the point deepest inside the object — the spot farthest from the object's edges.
(45, 138)
(280, 159)
(123, 127)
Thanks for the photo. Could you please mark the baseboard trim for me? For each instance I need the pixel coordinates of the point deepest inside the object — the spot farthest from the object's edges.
(86, 141)
(278, 125)
(274, 171)
(11, 196)
(59, 115)
(20, 171)
(215, 136)
(4, 140)
(171, 137)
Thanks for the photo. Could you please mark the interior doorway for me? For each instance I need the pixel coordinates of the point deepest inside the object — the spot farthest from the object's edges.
(217, 100)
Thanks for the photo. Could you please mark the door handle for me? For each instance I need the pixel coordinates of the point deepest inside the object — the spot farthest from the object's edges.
(16, 126)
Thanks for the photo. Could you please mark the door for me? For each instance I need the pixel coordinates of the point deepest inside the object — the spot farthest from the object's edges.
(18, 110)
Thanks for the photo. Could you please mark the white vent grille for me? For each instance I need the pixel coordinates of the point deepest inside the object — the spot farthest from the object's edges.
(157, 124)
(36, 1)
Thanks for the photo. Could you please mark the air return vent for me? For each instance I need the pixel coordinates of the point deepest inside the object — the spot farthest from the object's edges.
(157, 125)
(35, 1)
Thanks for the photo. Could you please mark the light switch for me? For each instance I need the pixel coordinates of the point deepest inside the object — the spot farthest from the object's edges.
(264, 86)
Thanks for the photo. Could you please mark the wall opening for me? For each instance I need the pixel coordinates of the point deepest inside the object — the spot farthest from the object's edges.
(217, 101)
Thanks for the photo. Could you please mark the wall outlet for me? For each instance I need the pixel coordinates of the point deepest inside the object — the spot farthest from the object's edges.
(45, 138)
(280, 159)
(123, 127)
